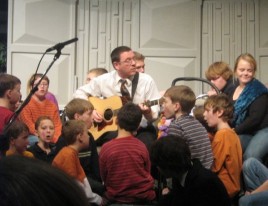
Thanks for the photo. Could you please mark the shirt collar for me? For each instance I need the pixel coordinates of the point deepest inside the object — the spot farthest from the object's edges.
(129, 80)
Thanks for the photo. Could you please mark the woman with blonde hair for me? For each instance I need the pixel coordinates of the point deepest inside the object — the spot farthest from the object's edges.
(250, 108)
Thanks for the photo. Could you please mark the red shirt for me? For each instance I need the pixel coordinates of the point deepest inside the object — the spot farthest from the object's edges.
(125, 169)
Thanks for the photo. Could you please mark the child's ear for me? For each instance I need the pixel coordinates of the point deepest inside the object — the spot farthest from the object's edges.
(177, 106)
(79, 137)
(220, 113)
(76, 116)
(11, 140)
(8, 93)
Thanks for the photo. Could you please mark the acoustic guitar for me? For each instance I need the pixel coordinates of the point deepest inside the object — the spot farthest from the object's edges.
(109, 108)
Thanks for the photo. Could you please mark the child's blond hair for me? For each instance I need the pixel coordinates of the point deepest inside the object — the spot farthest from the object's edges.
(78, 106)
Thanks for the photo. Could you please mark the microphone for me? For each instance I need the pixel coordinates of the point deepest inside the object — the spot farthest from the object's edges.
(59, 46)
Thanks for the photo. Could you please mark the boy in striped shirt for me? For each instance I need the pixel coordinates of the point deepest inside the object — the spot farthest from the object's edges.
(178, 103)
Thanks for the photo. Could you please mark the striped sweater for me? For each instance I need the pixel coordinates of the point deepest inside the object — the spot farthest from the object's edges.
(34, 109)
(196, 136)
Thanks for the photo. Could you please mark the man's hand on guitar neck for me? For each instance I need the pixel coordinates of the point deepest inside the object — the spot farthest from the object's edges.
(96, 116)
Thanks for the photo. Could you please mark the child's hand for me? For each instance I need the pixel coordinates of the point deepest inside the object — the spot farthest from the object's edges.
(165, 191)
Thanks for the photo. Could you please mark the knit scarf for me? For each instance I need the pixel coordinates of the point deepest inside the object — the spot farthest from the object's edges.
(252, 90)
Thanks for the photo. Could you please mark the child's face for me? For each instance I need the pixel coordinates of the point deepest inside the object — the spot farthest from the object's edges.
(46, 130)
(90, 76)
(21, 142)
(219, 82)
(15, 94)
(86, 117)
(210, 117)
(42, 88)
(169, 108)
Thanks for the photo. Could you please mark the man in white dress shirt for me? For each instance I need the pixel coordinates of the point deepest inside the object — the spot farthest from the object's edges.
(107, 85)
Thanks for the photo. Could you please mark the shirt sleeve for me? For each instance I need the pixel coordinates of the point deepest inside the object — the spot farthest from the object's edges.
(82, 92)
(219, 152)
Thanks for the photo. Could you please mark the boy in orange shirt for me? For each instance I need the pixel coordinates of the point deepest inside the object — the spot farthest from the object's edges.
(226, 145)
(76, 136)
(17, 134)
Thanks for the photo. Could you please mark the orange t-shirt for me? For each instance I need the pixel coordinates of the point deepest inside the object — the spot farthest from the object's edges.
(25, 153)
(227, 152)
(67, 160)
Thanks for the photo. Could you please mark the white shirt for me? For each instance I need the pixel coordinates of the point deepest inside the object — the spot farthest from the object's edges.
(108, 85)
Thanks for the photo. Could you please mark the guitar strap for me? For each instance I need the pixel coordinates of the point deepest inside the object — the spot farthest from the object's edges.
(134, 85)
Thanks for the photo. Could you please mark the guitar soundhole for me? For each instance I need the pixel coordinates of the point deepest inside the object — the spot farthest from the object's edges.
(108, 114)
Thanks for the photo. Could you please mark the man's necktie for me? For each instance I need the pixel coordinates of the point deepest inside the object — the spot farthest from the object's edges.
(124, 91)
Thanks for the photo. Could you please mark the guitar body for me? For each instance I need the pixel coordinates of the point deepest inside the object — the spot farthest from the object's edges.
(108, 108)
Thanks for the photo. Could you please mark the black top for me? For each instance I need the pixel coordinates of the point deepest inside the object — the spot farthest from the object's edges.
(202, 188)
(41, 154)
(256, 116)
(230, 87)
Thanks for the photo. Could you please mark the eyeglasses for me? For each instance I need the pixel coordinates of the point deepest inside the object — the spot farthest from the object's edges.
(128, 61)
(42, 85)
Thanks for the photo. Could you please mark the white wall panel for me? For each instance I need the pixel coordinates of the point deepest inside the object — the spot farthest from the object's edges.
(178, 37)
(35, 26)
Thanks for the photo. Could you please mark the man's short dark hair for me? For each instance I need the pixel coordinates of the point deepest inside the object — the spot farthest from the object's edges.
(171, 153)
(129, 117)
(115, 55)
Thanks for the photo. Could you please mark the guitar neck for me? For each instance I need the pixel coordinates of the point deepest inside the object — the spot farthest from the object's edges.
(154, 102)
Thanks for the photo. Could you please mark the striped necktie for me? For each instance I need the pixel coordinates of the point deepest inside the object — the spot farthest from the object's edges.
(124, 91)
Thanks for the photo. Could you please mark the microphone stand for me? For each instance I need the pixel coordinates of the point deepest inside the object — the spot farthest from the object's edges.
(4, 143)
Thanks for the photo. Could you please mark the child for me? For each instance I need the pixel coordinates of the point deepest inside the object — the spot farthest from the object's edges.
(221, 75)
(49, 95)
(178, 103)
(124, 162)
(94, 73)
(198, 112)
(192, 184)
(44, 149)
(81, 109)
(9, 96)
(40, 106)
(226, 145)
(18, 139)
(75, 133)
